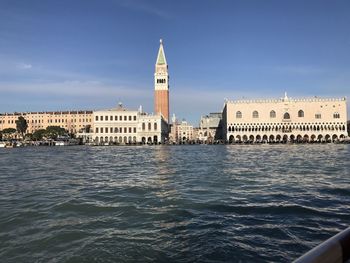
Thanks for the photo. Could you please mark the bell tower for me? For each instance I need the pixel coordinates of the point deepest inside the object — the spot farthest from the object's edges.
(161, 84)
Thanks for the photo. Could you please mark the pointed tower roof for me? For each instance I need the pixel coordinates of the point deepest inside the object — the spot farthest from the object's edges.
(161, 55)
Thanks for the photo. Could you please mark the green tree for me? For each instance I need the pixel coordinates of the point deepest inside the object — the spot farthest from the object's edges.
(8, 132)
(21, 125)
(53, 132)
(39, 134)
(87, 128)
(29, 136)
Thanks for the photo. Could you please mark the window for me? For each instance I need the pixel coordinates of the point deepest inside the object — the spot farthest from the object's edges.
(134, 118)
(129, 118)
(149, 126)
(134, 130)
(155, 126)
(106, 130)
(120, 118)
(96, 118)
(116, 130)
(336, 115)
(111, 130)
(301, 114)
(286, 116)
(101, 118)
(130, 130)
(106, 118)
(272, 114)
(115, 118)
(125, 118)
(96, 130)
(238, 115)
(125, 130)
(255, 114)
(143, 126)
(318, 116)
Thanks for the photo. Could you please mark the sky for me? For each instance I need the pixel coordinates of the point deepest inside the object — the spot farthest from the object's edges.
(93, 54)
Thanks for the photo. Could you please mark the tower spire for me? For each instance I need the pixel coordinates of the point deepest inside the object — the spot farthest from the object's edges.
(161, 55)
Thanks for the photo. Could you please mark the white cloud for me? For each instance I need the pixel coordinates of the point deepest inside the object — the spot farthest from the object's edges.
(24, 66)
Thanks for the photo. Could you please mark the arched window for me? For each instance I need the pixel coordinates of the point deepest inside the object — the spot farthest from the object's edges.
(155, 126)
(143, 126)
(238, 115)
(286, 116)
(272, 114)
(301, 114)
(149, 126)
(255, 114)
(336, 115)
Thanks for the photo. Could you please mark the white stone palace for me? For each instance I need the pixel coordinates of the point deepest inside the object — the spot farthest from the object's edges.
(122, 126)
(285, 119)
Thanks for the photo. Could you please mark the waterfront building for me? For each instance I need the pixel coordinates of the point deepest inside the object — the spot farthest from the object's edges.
(285, 119)
(181, 131)
(122, 126)
(72, 121)
(210, 127)
(161, 85)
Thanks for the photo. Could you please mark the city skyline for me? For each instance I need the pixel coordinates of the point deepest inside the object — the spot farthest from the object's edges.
(88, 55)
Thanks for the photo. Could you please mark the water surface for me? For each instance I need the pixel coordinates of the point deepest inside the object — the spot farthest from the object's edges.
(237, 203)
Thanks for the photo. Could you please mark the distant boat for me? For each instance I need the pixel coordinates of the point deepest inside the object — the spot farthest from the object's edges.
(66, 142)
(2, 144)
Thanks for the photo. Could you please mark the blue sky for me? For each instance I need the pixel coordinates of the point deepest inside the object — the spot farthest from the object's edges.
(92, 54)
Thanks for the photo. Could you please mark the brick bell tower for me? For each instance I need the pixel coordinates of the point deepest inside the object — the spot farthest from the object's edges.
(161, 84)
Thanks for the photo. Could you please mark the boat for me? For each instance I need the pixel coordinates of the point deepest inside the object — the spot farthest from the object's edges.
(334, 250)
(2, 144)
(66, 142)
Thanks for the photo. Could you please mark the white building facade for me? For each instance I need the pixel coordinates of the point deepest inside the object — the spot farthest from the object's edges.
(122, 126)
(285, 119)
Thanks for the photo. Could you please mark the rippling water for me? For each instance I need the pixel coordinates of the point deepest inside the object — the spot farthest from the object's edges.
(237, 203)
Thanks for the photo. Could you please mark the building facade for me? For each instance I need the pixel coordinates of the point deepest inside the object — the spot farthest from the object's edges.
(181, 132)
(161, 85)
(72, 121)
(285, 119)
(210, 127)
(122, 126)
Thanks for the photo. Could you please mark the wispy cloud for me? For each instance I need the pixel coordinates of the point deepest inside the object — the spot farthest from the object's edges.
(24, 66)
(72, 88)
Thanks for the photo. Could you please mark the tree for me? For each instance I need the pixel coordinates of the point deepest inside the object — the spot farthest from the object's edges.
(29, 136)
(53, 132)
(87, 128)
(21, 125)
(8, 132)
(39, 134)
